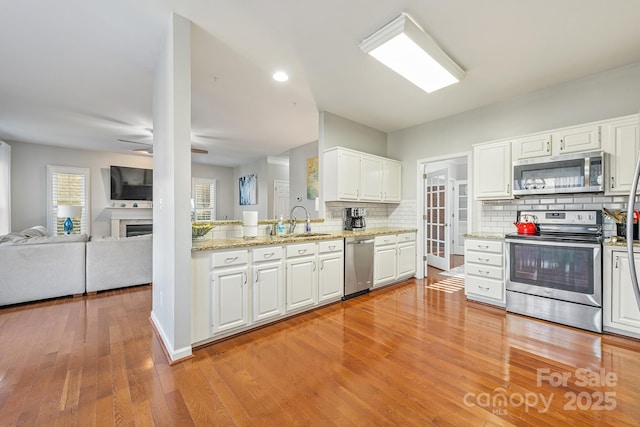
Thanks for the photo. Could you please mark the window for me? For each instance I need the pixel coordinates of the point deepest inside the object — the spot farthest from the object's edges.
(203, 196)
(5, 188)
(67, 186)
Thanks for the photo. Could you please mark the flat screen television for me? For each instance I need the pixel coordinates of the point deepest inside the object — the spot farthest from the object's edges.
(131, 183)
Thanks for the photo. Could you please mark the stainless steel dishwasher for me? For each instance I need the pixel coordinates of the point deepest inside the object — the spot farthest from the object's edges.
(358, 266)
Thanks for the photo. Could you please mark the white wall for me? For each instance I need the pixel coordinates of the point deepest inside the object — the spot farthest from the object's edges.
(259, 168)
(29, 181)
(605, 95)
(275, 171)
(337, 131)
(298, 177)
(225, 186)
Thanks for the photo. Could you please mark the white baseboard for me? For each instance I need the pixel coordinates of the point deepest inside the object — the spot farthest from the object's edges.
(173, 354)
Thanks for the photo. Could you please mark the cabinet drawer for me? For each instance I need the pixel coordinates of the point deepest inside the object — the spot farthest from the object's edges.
(267, 254)
(331, 246)
(484, 245)
(406, 237)
(303, 249)
(484, 287)
(487, 258)
(386, 240)
(226, 259)
(486, 271)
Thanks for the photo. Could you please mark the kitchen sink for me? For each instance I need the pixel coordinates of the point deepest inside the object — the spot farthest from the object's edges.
(301, 235)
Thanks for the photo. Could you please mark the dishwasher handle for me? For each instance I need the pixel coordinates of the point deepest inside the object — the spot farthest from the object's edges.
(360, 242)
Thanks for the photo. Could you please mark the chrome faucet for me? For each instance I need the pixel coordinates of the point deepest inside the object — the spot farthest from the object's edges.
(292, 219)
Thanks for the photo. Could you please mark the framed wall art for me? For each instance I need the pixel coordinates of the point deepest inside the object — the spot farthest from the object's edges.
(312, 178)
(248, 190)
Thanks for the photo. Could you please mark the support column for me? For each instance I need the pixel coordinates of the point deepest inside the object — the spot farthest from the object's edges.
(171, 310)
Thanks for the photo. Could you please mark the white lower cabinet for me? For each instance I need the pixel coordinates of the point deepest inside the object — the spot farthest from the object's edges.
(230, 304)
(406, 255)
(302, 276)
(394, 258)
(621, 313)
(268, 283)
(330, 270)
(384, 260)
(484, 271)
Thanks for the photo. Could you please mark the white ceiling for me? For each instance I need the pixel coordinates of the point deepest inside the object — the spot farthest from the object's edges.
(78, 73)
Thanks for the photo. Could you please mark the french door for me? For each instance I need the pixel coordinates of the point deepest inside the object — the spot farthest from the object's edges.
(436, 220)
(460, 216)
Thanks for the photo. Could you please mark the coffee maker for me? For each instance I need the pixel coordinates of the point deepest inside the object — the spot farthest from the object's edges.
(354, 219)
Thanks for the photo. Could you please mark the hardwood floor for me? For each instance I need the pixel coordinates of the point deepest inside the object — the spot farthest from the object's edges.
(406, 355)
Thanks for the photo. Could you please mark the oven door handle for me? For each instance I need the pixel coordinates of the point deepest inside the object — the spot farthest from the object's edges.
(630, 208)
(554, 243)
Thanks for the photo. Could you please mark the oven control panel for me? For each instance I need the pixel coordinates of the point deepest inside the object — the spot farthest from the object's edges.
(586, 217)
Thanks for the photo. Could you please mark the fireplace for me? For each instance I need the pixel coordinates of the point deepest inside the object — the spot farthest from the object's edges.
(123, 217)
(138, 229)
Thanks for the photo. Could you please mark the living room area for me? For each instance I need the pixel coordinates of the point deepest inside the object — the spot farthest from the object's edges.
(109, 247)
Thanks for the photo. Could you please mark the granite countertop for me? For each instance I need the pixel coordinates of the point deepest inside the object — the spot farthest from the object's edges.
(619, 241)
(214, 244)
(484, 235)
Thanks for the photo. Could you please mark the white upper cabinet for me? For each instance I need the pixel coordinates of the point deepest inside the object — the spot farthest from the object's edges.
(621, 140)
(391, 180)
(576, 139)
(342, 175)
(573, 139)
(528, 147)
(492, 170)
(350, 175)
(370, 178)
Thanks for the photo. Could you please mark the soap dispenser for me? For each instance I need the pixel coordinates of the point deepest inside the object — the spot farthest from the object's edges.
(280, 226)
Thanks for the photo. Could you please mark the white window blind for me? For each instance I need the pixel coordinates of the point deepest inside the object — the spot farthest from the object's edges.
(67, 186)
(5, 188)
(203, 193)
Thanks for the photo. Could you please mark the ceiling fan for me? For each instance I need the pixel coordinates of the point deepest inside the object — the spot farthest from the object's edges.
(149, 150)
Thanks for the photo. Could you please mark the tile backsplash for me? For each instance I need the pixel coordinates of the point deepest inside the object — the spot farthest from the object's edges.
(498, 216)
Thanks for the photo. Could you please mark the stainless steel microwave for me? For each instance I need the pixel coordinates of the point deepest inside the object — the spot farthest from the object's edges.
(566, 173)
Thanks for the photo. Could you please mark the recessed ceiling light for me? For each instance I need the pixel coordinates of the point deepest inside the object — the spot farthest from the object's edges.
(280, 76)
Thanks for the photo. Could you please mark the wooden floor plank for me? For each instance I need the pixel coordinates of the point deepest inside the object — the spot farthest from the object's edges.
(410, 354)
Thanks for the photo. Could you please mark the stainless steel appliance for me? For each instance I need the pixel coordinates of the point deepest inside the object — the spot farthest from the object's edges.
(354, 218)
(566, 173)
(358, 266)
(630, 208)
(556, 275)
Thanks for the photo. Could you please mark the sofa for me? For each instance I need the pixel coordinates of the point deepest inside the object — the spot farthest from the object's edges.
(35, 266)
(118, 262)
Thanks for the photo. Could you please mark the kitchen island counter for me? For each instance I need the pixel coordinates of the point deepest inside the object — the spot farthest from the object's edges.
(215, 244)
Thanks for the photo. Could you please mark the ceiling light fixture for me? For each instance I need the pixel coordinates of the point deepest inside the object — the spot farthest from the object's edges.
(280, 76)
(405, 48)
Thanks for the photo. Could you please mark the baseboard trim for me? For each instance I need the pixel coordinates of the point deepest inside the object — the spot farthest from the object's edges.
(173, 356)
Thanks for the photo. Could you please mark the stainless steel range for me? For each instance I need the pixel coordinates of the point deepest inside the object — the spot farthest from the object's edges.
(556, 274)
